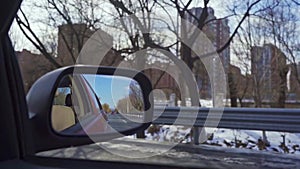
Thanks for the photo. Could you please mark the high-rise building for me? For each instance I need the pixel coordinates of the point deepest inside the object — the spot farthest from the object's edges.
(218, 32)
(293, 81)
(72, 39)
(268, 69)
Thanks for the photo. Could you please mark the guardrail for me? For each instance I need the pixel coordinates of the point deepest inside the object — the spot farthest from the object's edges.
(268, 119)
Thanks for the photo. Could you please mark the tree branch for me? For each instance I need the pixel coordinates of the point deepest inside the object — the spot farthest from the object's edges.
(35, 40)
(247, 14)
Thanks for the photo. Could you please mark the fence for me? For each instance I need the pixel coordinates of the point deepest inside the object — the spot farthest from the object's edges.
(268, 119)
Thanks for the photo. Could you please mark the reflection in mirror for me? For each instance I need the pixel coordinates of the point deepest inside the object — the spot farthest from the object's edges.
(96, 104)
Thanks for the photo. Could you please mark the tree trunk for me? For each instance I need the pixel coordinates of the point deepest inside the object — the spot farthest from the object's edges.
(282, 89)
(232, 90)
(241, 102)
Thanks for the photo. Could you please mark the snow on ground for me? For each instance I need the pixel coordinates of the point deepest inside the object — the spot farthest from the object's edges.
(230, 138)
(250, 139)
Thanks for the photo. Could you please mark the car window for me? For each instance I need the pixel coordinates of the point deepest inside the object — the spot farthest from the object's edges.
(240, 57)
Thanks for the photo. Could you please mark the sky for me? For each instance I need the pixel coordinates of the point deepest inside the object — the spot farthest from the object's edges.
(109, 89)
(28, 6)
(220, 8)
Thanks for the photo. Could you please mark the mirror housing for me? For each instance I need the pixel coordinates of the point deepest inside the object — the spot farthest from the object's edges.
(40, 101)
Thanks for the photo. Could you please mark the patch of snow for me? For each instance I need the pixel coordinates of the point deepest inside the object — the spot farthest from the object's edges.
(230, 138)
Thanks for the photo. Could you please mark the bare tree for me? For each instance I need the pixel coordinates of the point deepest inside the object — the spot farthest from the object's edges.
(273, 23)
(135, 22)
(281, 24)
(138, 30)
(242, 80)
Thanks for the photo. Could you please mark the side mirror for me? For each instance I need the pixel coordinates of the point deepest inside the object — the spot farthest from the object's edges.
(83, 104)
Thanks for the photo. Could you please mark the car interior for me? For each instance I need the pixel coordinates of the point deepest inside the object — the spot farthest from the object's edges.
(129, 118)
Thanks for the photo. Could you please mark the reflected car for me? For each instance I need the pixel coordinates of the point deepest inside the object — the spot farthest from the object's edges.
(76, 108)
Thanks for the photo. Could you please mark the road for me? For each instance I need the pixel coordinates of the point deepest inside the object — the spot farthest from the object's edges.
(121, 123)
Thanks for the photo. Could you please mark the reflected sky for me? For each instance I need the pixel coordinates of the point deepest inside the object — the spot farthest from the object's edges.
(109, 89)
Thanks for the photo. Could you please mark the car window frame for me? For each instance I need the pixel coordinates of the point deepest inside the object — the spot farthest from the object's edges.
(18, 111)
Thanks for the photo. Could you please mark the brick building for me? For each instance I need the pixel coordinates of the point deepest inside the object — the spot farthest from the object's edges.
(293, 82)
(162, 80)
(268, 69)
(218, 32)
(72, 39)
(32, 66)
(240, 86)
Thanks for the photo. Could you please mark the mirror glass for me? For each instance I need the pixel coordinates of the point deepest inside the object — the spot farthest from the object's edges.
(96, 104)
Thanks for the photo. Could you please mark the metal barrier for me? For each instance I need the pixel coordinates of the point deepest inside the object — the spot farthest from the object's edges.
(268, 119)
